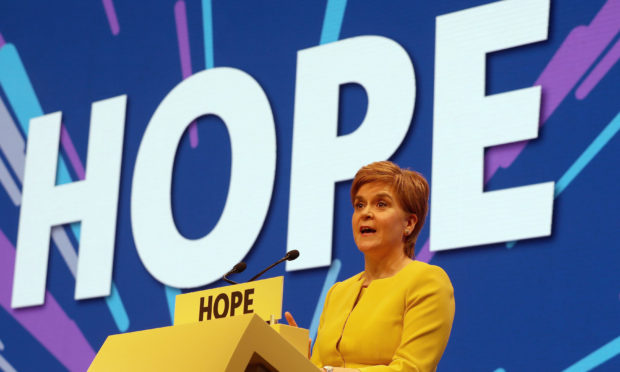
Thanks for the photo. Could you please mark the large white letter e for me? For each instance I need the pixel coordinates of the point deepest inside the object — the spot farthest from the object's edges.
(466, 121)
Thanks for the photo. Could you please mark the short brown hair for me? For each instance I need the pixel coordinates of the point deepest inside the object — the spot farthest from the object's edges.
(410, 187)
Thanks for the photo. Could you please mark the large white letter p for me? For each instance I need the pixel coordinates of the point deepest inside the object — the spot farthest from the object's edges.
(321, 157)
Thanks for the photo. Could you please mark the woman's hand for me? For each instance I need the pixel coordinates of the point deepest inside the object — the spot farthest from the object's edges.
(289, 318)
(291, 321)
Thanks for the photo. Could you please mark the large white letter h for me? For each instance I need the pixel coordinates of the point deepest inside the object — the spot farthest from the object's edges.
(93, 201)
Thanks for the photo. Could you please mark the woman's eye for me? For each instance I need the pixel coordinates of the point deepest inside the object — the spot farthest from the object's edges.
(381, 204)
(359, 205)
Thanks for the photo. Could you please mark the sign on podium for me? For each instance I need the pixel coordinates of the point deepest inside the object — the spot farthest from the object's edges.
(229, 329)
(263, 298)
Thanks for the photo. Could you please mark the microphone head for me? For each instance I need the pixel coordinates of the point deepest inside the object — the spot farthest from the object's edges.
(238, 268)
(290, 256)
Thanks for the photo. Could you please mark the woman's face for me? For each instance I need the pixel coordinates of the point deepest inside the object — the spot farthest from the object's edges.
(379, 223)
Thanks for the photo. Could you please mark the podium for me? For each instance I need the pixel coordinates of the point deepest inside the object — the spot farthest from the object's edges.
(220, 342)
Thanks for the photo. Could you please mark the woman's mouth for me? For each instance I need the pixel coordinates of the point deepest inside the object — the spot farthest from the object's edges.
(365, 230)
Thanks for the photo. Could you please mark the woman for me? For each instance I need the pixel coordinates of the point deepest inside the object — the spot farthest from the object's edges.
(396, 315)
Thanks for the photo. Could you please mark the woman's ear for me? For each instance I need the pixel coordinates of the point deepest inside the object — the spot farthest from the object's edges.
(410, 223)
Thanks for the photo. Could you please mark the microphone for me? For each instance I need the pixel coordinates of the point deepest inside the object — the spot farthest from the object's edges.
(237, 269)
(290, 256)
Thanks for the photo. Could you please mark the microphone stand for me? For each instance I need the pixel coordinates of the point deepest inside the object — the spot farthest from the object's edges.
(237, 269)
(290, 256)
(269, 267)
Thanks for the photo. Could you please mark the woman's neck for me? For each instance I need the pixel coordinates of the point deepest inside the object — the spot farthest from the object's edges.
(383, 267)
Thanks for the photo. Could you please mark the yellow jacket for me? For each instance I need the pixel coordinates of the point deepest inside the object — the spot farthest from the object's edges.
(400, 323)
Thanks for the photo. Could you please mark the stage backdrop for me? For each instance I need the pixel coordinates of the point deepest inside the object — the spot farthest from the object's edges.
(146, 149)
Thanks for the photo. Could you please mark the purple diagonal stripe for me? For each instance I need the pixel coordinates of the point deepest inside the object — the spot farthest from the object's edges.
(425, 255)
(2, 42)
(180, 17)
(48, 323)
(599, 71)
(110, 12)
(74, 159)
(577, 53)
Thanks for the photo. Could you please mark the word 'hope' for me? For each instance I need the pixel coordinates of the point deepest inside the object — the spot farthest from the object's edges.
(465, 122)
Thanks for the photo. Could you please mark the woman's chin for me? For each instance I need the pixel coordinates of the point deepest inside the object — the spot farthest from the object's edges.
(367, 247)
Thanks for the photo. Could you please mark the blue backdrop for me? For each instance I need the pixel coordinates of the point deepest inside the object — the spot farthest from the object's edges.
(543, 304)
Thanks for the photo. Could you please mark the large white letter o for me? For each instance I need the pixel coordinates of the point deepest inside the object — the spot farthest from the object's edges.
(241, 103)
